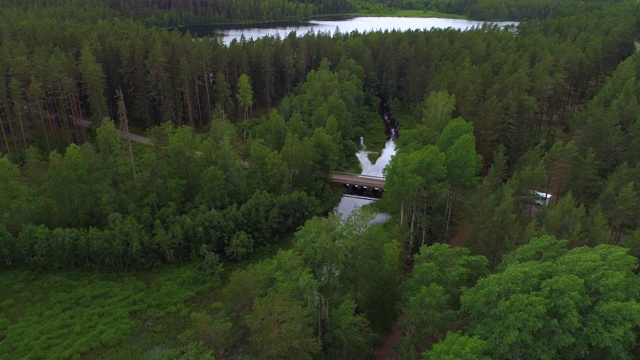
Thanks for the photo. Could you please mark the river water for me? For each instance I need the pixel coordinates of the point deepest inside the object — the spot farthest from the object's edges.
(349, 203)
(228, 33)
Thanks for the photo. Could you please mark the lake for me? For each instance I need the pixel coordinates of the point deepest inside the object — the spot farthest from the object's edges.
(228, 33)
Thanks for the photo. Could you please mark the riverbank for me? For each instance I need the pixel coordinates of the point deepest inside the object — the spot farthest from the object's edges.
(396, 13)
(338, 16)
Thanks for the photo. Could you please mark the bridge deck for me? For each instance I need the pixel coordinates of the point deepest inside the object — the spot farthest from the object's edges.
(353, 179)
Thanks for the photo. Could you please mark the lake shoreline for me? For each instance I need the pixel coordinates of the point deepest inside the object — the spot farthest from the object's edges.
(345, 25)
(342, 16)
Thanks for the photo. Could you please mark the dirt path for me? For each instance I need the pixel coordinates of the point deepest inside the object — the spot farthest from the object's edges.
(460, 238)
(387, 348)
(637, 46)
(129, 136)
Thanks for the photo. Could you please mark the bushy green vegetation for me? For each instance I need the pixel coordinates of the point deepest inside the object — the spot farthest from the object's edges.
(243, 139)
(68, 314)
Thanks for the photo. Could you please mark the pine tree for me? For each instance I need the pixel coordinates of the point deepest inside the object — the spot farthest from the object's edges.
(124, 128)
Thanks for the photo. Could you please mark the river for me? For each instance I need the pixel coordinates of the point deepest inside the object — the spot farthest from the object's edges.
(349, 203)
(228, 33)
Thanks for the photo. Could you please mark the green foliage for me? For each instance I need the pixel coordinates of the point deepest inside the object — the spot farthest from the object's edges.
(17, 199)
(197, 351)
(458, 347)
(240, 246)
(548, 301)
(498, 223)
(437, 110)
(281, 328)
(245, 94)
(211, 264)
(214, 332)
(523, 94)
(263, 292)
(431, 296)
(350, 259)
(70, 314)
(349, 336)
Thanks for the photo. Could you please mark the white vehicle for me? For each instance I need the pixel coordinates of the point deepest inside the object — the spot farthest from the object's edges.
(541, 198)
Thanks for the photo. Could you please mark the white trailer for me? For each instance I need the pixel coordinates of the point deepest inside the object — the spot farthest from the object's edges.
(541, 198)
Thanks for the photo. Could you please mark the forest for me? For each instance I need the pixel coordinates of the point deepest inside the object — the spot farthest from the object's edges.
(217, 239)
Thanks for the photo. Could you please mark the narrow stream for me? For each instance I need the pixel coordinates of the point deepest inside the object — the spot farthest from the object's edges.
(377, 168)
(349, 203)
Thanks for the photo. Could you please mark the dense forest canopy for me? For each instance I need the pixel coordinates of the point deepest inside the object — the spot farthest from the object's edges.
(189, 12)
(208, 240)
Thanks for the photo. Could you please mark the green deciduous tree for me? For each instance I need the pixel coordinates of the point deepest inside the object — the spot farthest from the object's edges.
(245, 94)
(349, 336)
(416, 189)
(550, 302)
(17, 199)
(437, 110)
(240, 246)
(93, 83)
(431, 296)
(458, 347)
(458, 144)
(281, 329)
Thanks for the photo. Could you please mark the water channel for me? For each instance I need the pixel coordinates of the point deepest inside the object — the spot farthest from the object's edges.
(228, 33)
(348, 203)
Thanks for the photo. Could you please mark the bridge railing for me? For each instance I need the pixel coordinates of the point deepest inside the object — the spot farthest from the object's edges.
(358, 175)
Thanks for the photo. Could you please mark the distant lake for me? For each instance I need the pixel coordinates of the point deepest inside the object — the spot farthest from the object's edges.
(228, 33)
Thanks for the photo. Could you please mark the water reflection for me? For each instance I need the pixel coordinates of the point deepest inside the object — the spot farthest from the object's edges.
(228, 33)
(377, 168)
(349, 203)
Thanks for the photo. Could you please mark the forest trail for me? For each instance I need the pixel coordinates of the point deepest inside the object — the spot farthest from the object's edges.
(125, 135)
(386, 350)
(461, 236)
(637, 44)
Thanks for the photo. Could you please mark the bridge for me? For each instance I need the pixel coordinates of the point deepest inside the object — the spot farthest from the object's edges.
(360, 184)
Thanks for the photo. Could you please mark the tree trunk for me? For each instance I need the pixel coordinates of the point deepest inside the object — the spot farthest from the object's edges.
(4, 137)
(44, 125)
(73, 117)
(11, 131)
(76, 102)
(413, 217)
(24, 140)
(54, 127)
(206, 82)
(188, 101)
(320, 319)
(195, 78)
(124, 126)
(451, 196)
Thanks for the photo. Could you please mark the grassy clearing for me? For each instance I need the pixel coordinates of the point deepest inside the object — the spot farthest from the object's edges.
(70, 315)
(133, 315)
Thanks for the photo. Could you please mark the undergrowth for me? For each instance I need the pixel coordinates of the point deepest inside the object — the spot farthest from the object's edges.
(67, 314)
